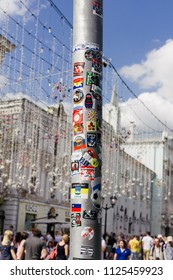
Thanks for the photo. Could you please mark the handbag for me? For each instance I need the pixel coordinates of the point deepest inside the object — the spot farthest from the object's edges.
(52, 255)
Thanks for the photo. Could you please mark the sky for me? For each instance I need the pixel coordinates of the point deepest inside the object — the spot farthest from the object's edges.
(138, 38)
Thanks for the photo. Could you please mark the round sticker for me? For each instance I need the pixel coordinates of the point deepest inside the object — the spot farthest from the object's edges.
(96, 96)
(96, 195)
(88, 233)
(94, 162)
(78, 96)
(89, 54)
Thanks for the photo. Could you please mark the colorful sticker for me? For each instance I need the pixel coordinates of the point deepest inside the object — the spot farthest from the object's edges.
(93, 78)
(76, 207)
(79, 143)
(96, 92)
(98, 56)
(78, 83)
(92, 115)
(88, 101)
(94, 162)
(86, 251)
(91, 126)
(97, 9)
(96, 195)
(96, 96)
(89, 54)
(78, 96)
(78, 68)
(97, 66)
(76, 219)
(86, 158)
(91, 140)
(77, 116)
(89, 215)
(87, 233)
(87, 173)
(75, 167)
(78, 128)
(79, 190)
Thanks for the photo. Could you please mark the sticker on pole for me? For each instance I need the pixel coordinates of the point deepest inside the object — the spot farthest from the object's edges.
(87, 233)
(96, 195)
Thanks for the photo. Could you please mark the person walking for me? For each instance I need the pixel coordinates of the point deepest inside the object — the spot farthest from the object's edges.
(168, 248)
(134, 246)
(122, 252)
(20, 254)
(34, 247)
(147, 242)
(7, 248)
(62, 248)
(157, 250)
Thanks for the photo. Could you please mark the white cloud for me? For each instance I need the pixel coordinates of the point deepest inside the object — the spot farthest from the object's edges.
(13, 8)
(3, 81)
(154, 76)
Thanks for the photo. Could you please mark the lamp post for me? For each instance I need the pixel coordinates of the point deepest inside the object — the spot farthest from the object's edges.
(113, 200)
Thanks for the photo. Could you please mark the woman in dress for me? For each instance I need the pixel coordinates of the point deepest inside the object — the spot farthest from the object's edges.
(62, 248)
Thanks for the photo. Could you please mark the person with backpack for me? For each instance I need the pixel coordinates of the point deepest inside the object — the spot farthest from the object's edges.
(157, 250)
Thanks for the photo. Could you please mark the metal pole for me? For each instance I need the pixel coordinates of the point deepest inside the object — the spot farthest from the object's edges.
(86, 163)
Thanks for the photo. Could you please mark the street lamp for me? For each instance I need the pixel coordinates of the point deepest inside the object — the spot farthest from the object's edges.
(113, 201)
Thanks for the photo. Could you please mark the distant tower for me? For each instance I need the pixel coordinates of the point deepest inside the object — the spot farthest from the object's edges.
(5, 47)
(112, 111)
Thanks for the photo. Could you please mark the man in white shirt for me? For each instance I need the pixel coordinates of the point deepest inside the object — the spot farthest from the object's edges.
(147, 242)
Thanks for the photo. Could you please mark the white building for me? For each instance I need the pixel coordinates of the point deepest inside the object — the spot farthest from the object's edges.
(34, 163)
(157, 155)
(35, 151)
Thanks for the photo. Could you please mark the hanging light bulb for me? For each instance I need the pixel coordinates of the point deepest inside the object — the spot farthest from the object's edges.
(49, 30)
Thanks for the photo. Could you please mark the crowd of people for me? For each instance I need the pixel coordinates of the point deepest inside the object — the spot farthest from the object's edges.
(35, 246)
(144, 247)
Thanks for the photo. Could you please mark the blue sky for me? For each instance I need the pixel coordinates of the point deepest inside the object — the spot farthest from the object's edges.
(138, 38)
(132, 28)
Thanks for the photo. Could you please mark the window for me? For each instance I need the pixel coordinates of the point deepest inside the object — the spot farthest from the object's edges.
(28, 218)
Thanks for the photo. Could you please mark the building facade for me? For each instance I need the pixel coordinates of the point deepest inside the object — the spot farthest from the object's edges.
(157, 154)
(34, 163)
(35, 170)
